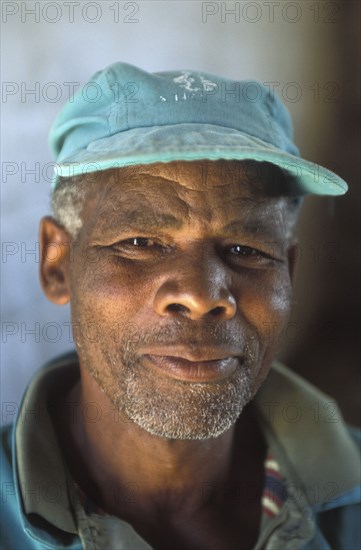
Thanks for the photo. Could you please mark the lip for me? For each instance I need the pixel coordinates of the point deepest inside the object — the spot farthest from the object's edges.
(194, 353)
(200, 366)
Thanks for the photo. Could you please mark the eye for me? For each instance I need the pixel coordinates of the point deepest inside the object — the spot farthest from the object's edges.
(140, 247)
(140, 242)
(249, 254)
(244, 250)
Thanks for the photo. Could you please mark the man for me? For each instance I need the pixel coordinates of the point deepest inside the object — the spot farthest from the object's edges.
(173, 239)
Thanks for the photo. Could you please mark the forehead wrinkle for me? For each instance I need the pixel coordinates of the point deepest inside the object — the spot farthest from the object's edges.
(135, 185)
(180, 199)
(135, 200)
(120, 212)
(136, 182)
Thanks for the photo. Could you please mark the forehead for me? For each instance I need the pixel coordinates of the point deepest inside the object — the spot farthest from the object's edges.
(212, 190)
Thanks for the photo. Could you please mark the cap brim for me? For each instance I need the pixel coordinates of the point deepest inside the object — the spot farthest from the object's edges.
(188, 142)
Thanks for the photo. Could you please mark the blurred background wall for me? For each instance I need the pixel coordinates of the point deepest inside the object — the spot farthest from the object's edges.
(306, 50)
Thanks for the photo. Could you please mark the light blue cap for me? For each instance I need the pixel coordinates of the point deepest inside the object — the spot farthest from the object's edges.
(126, 116)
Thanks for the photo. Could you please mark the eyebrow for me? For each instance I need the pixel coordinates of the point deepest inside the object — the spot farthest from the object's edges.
(155, 221)
(257, 227)
(151, 221)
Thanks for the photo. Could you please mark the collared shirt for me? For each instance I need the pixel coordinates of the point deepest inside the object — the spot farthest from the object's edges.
(312, 489)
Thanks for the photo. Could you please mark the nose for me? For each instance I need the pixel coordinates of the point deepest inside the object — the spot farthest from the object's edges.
(197, 288)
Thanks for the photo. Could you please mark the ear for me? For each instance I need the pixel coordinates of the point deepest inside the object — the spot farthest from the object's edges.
(292, 257)
(55, 246)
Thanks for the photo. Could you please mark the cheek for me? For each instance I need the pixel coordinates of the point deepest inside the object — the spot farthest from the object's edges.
(266, 306)
(265, 301)
(107, 293)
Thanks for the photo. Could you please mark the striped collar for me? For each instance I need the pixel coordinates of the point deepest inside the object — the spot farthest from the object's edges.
(275, 489)
(300, 423)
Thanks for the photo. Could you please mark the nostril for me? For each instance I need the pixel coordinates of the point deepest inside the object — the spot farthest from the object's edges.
(217, 311)
(177, 308)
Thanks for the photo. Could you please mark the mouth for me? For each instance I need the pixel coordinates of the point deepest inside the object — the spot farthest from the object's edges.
(194, 367)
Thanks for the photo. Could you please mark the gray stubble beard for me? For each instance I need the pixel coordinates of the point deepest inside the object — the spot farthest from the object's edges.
(171, 408)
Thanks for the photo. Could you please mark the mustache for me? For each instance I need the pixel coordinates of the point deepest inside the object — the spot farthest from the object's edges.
(191, 335)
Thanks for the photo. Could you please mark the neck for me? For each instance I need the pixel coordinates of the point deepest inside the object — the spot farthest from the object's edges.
(123, 468)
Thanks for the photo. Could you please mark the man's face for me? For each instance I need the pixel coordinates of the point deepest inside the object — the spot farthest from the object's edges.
(180, 287)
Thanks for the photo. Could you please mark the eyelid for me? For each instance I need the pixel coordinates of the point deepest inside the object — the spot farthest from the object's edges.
(268, 255)
(255, 251)
(150, 237)
(130, 239)
(262, 246)
(127, 245)
(132, 244)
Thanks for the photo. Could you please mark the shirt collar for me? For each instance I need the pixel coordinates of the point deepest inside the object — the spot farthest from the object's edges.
(294, 416)
(41, 474)
(307, 431)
